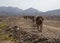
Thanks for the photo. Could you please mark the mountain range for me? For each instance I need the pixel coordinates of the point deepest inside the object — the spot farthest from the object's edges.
(29, 11)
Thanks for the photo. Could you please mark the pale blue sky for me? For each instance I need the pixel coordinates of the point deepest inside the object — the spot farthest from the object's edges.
(42, 5)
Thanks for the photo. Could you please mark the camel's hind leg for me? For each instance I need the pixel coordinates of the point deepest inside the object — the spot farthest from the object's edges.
(40, 27)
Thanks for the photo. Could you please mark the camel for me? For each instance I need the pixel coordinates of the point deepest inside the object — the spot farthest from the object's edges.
(39, 22)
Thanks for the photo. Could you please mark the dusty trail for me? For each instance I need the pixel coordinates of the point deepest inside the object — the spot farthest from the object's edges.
(51, 27)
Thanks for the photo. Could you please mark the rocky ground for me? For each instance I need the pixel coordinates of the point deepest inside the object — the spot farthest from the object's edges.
(23, 36)
(24, 32)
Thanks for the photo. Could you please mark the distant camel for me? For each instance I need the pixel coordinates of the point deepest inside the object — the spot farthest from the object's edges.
(39, 22)
(25, 17)
(29, 17)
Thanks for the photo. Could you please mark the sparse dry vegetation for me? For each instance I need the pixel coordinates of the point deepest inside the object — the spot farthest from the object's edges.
(27, 33)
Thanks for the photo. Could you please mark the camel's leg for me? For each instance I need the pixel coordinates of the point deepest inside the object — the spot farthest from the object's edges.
(40, 28)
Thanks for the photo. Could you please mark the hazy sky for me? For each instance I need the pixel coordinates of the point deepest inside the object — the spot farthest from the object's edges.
(42, 5)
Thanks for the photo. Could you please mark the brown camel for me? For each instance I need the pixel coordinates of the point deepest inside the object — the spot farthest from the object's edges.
(39, 22)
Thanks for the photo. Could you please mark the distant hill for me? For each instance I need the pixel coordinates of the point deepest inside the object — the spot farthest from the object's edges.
(32, 10)
(29, 11)
(10, 10)
(17, 11)
(53, 12)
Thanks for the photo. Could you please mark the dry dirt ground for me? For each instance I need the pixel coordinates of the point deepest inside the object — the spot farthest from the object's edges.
(51, 29)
